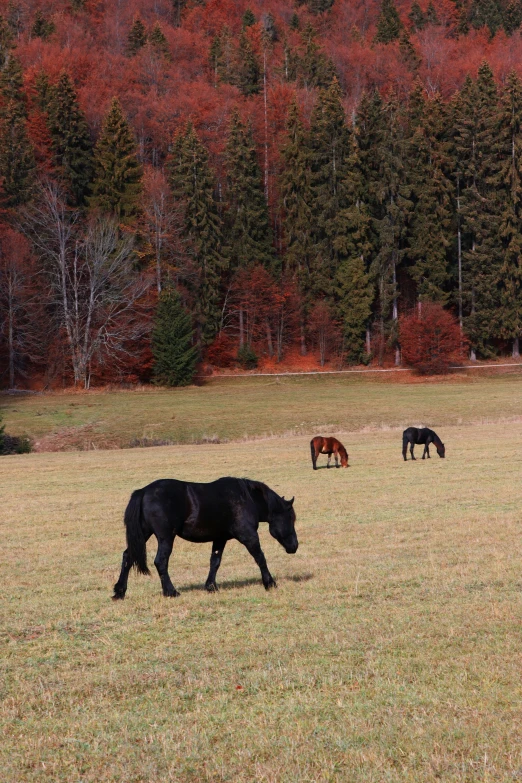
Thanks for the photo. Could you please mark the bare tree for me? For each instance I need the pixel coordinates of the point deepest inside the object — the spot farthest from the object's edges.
(163, 221)
(92, 280)
(21, 309)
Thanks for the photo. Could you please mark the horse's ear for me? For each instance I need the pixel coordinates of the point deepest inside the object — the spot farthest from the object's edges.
(291, 502)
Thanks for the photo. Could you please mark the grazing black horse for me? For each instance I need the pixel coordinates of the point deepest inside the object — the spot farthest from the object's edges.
(413, 435)
(217, 511)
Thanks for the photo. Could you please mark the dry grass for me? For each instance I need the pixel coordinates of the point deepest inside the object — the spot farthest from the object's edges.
(390, 652)
(234, 409)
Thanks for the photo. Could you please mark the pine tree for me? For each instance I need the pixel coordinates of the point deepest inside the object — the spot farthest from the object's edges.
(11, 86)
(17, 162)
(43, 90)
(476, 149)
(71, 141)
(431, 15)
(248, 19)
(137, 37)
(509, 319)
(332, 147)
(389, 25)
(513, 17)
(222, 57)
(193, 186)
(248, 67)
(297, 200)
(248, 221)
(313, 67)
(117, 180)
(175, 355)
(408, 52)
(355, 296)
(294, 22)
(417, 17)
(42, 27)
(430, 225)
(317, 6)
(158, 42)
(6, 42)
(486, 13)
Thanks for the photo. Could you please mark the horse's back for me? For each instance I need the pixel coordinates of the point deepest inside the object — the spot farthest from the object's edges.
(411, 434)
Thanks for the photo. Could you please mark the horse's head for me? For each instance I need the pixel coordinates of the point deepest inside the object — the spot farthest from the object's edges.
(344, 457)
(281, 523)
(441, 449)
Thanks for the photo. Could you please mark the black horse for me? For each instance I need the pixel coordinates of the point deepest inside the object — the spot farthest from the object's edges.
(413, 435)
(218, 511)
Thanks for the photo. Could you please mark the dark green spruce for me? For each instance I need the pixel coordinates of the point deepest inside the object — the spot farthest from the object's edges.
(173, 349)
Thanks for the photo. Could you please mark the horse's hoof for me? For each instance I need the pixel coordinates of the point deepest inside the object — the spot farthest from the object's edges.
(271, 585)
(171, 593)
(118, 596)
(212, 588)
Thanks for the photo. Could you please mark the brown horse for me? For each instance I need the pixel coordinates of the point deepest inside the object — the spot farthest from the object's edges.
(320, 445)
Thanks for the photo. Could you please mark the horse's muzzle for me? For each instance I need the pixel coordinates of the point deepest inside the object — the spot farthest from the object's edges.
(292, 549)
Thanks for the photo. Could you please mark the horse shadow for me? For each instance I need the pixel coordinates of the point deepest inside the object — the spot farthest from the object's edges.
(235, 584)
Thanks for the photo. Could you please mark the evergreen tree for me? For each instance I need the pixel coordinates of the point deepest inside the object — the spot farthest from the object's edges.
(248, 220)
(317, 6)
(394, 198)
(430, 224)
(158, 41)
(486, 13)
(117, 180)
(313, 67)
(431, 15)
(11, 86)
(297, 201)
(43, 90)
(193, 186)
(42, 27)
(17, 162)
(71, 141)
(248, 18)
(222, 57)
(476, 148)
(509, 320)
(512, 16)
(408, 52)
(248, 68)
(389, 25)
(6, 42)
(355, 296)
(332, 147)
(137, 37)
(294, 22)
(417, 17)
(175, 355)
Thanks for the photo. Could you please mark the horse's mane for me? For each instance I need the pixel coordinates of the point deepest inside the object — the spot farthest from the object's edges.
(272, 499)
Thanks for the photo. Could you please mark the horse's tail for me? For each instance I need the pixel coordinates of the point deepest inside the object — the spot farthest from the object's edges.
(136, 544)
(312, 450)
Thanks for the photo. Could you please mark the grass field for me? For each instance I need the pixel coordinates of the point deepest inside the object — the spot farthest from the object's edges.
(239, 408)
(391, 650)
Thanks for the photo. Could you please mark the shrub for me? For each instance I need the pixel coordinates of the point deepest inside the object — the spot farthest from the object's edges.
(247, 357)
(15, 444)
(431, 340)
(220, 353)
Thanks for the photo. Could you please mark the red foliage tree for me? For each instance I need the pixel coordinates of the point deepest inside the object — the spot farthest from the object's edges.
(431, 339)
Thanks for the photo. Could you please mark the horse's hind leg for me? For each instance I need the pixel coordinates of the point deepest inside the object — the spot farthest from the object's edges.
(161, 561)
(329, 458)
(411, 450)
(120, 588)
(215, 561)
(336, 460)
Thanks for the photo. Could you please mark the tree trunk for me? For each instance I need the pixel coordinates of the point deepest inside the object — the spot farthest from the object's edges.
(516, 348)
(368, 341)
(269, 340)
(303, 340)
(241, 328)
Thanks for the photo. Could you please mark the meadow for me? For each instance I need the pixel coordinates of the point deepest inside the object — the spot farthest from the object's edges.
(391, 650)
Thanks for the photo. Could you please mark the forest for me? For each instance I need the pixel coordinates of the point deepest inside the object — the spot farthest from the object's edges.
(212, 181)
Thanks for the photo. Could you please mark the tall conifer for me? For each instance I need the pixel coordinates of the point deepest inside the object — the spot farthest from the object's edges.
(71, 140)
(117, 178)
(193, 186)
(249, 231)
(175, 355)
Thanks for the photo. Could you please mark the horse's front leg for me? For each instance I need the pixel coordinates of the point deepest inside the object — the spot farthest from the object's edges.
(161, 561)
(336, 458)
(426, 450)
(411, 450)
(251, 541)
(215, 561)
(329, 458)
